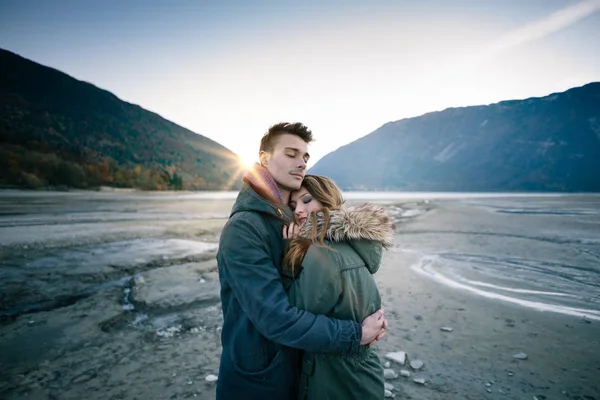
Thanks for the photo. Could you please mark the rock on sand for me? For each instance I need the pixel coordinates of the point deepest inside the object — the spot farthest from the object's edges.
(389, 374)
(398, 356)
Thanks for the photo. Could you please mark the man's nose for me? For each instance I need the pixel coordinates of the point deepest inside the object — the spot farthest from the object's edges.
(302, 164)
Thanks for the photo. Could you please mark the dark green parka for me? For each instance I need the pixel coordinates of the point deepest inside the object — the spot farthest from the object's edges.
(337, 281)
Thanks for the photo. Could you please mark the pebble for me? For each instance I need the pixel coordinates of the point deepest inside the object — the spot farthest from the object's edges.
(190, 382)
(511, 373)
(388, 386)
(488, 390)
(520, 356)
(420, 381)
(405, 372)
(389, 394)
(389, 374)
(447, 329)
(488, 385)
(169, 332)
(211, 378)
(398, 356)
(387, 364)
(416, 364)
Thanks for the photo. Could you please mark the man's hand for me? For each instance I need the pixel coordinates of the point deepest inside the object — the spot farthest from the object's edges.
(374, 328)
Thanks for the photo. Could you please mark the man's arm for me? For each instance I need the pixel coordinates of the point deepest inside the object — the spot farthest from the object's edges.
(246, 264)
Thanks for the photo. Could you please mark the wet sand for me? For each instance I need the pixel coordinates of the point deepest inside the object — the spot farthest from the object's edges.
(131, 322)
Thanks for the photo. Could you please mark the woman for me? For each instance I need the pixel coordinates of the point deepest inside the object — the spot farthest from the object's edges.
(331, 258)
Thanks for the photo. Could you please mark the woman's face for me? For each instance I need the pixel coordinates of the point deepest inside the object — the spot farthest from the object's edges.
(302, 203)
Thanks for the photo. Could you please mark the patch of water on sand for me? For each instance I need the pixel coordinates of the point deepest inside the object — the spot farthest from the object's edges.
(73, 219)
(66, 300)
(546, 211)
(121, 253)
(558, 207)
(542, 285)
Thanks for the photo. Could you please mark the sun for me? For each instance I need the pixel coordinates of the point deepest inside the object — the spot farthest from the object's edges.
(247, 161)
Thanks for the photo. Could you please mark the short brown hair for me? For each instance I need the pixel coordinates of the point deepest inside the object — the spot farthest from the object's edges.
(267, 143)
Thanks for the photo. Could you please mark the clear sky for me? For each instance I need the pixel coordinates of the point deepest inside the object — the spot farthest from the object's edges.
(229, 69)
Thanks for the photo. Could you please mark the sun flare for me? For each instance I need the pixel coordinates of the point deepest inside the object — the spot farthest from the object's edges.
(247, 161)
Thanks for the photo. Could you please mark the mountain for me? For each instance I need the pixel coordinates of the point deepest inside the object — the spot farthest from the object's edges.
(538, 144)
(59, 131)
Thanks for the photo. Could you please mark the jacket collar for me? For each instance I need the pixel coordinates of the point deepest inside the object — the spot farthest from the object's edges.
(263, 183)
(261, 194)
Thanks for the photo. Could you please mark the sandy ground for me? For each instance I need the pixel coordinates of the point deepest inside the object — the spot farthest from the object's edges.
(562, 351)
(153, 333)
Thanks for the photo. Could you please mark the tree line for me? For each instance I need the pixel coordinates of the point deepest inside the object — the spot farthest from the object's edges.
(29, 169)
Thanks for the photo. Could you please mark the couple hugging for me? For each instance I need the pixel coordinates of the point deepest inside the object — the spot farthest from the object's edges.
(301, 309)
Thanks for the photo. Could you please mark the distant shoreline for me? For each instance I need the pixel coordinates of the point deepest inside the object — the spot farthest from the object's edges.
(349, 195)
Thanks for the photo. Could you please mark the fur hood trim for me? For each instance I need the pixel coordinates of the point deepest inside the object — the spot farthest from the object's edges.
(366, 222)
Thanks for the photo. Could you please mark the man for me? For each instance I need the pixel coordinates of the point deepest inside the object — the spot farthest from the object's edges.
(261, 330)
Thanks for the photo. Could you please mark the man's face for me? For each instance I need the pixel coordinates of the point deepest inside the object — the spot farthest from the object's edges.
(287, 162)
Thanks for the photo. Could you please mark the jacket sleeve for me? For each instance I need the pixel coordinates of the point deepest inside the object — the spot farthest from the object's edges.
(245, 262)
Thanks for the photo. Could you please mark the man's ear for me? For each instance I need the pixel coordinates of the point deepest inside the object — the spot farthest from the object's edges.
(264, 158)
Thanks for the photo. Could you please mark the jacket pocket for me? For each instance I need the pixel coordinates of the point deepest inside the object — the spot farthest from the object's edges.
(258, 359)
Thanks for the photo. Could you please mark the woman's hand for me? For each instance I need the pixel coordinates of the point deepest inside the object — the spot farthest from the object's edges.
(291, 231)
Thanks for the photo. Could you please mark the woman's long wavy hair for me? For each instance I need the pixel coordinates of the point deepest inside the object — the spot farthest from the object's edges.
(329, 195)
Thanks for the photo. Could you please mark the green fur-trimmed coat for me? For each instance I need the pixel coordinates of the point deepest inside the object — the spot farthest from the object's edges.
(338, 282)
